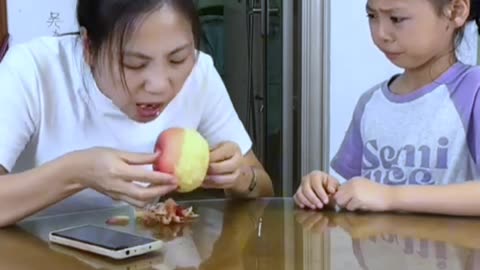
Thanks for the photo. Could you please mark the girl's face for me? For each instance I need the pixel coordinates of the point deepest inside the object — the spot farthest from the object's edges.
(157, 60)
(411, 32)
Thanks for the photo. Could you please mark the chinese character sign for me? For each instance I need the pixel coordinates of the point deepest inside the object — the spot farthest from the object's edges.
(54, 23)
(29, 19)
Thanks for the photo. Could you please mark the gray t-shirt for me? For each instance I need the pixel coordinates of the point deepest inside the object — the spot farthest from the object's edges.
(428, 137)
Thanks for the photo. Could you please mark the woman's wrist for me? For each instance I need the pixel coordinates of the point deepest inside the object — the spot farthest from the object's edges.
(246, 182)
(75, 169)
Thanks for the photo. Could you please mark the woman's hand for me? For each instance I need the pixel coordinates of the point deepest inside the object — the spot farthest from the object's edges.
(225, 168)
(112, 173)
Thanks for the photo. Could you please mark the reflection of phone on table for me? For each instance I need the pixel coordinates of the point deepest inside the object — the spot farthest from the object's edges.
(105, 241)
(148, 261)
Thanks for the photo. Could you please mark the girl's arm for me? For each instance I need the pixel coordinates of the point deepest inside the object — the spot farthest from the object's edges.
(454, 199)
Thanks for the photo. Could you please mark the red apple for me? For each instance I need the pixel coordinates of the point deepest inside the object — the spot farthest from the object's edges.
(185, 154)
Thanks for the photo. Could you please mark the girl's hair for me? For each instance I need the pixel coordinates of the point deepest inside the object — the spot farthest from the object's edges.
(475, 12)
(110, 23)
(474, 15)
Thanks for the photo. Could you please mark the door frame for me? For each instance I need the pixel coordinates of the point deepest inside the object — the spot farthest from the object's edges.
(288, 98)
(3, 19)
(3, 28)
(315, 110)
(315, 80)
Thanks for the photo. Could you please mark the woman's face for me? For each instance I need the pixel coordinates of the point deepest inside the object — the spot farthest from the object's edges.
(157, 59)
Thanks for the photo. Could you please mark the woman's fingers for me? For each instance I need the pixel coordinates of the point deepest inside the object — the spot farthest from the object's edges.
(138, 173)
(139, 193)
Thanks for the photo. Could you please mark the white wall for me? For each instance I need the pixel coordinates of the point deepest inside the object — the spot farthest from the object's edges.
(357, 65)
(28, 18)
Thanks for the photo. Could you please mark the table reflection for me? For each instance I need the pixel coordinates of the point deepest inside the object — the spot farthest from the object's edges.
(261, 234)
(381, 241)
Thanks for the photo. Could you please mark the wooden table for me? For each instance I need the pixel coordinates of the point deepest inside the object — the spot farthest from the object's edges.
(264, 234)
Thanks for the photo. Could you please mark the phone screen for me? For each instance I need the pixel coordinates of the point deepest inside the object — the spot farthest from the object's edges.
(103, 237)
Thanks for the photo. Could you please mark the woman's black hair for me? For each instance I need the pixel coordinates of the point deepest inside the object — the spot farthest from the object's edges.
(110, 23)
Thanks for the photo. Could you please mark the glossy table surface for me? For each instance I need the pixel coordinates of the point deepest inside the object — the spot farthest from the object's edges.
(262, 234)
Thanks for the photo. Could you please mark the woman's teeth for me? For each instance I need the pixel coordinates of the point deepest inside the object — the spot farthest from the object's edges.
(148, 106)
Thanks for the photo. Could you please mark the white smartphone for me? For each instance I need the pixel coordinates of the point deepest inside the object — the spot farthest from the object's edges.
(147, 261)
(105, 241)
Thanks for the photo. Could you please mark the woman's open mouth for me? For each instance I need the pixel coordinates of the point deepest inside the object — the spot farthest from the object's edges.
(148, 111)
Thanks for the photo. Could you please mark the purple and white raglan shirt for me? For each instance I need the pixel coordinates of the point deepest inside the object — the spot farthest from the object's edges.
(428, 137)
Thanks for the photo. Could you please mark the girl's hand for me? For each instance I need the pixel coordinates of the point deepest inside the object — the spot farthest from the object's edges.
(112, 173)
(225, 167)
(311, 221)
(315, 189)
(363, 194)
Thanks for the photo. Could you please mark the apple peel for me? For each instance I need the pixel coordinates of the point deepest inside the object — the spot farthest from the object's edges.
(166, 213)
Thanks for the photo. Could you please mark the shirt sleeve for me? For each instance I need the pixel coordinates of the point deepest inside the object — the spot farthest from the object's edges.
(473, 129)
(220, 122)
(465, 95)
(18, 116)
(348, 160)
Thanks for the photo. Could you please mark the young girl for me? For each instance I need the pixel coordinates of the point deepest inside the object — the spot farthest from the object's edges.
(79, 115)
(413, 144)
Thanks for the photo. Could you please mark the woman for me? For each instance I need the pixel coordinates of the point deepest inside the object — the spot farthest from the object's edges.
(79, 114)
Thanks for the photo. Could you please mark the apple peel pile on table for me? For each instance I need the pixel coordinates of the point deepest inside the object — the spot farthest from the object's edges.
(165, 213)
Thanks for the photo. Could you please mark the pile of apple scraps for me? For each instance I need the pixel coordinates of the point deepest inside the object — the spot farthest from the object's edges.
(168, 212)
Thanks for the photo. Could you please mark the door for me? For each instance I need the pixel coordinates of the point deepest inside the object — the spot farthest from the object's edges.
(249, 41)
(3, 28)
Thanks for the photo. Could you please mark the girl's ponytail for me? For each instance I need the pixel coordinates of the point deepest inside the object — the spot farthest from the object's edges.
(475, 13)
